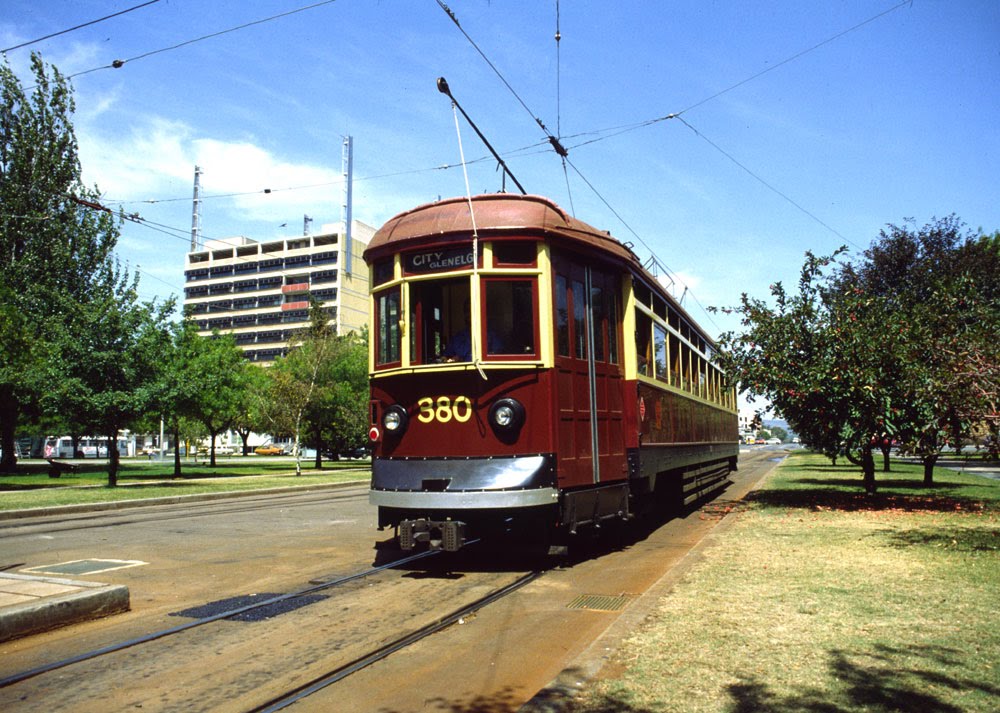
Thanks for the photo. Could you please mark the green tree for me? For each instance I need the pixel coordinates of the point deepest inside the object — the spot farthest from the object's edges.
(215, 377)
(110, 353)
(296, 380)
(51, 244)
(941, 280)
(900, 344)
(337, 419)
(816, 357)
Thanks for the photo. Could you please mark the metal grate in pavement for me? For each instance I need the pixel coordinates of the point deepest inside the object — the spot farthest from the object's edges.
(600, 602)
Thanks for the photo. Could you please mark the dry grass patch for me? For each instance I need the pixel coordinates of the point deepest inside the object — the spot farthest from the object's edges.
(814, 608)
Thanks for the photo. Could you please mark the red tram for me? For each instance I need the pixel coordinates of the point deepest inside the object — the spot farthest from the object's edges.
(529, 375)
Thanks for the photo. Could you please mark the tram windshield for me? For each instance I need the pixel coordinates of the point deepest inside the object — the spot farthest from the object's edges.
(440, 324)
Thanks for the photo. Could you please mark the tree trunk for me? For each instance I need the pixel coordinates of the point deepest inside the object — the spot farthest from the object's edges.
(113, 460)
(211, 451)
(319, 459)
(929, 462)
(868, 466)
(8, 425)
(245, 436)
(177, 451)
(886, 447)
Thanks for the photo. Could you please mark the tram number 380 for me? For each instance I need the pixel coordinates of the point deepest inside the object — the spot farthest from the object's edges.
(444, 409)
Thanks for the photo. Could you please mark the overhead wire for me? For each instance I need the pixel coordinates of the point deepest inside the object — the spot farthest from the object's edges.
(118, 63)
(617, 131)
(77, 27)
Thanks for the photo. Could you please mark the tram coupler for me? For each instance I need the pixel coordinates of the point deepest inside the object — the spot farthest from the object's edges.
(447, 535)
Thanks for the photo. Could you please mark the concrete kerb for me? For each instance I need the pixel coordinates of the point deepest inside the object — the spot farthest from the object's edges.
(167, 500)
(48, 603)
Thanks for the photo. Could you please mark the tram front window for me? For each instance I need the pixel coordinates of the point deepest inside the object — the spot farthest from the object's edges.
(510, 318)
(439, 321)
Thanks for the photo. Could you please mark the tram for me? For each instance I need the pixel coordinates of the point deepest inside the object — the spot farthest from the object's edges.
(529, 376)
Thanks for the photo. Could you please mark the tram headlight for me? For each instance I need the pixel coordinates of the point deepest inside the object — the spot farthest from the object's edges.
(507, 415)
(394, 420)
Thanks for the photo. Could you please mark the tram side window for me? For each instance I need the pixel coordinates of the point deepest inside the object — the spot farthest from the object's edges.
(644, 344)
(388, 314)
(604, 303)
(676, 367)
(510, 318)
(600, 320)
(660, 340)
(579, 321)
(562, 316)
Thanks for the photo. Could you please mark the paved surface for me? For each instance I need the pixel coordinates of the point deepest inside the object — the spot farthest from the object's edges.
(29, 604)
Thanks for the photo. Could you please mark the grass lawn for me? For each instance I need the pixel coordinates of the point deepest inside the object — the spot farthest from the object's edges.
(140, 479)
(817, 598)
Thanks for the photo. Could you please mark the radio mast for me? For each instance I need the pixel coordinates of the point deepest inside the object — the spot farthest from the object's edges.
(196, 211)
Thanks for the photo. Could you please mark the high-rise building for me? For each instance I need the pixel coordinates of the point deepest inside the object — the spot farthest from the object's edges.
(260, 291)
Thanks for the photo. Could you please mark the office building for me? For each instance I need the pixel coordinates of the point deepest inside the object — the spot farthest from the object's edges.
(260, 291)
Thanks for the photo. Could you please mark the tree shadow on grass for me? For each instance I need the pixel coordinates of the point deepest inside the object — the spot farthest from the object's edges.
(830, 499)
(961, 539)
(880, 679)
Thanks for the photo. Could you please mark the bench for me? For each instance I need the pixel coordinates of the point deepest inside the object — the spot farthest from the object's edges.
(58, 467)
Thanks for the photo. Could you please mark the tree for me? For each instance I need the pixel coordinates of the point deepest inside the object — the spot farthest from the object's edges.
(51, 245)
(897, 345)
(110, 352)
(337, 419)
(942, 280)
(216, 376)
(295, 379)
(819, 357)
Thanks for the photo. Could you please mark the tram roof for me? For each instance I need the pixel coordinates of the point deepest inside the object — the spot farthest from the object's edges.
(449, 220)
(495, 214)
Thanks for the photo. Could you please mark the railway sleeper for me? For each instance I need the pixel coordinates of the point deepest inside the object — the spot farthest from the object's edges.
(447, 535)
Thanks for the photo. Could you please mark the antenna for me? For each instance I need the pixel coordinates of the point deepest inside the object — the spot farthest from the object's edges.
(347, 160)
(306, 224)
(196, 211)
(442, 85)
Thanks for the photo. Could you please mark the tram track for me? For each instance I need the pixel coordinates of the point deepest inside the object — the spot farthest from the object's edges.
(202, 621)
(323, 663)
(341, 672)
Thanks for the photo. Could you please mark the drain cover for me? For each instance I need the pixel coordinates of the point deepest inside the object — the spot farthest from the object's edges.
(78, 567)
(599, 602)
(260, 614)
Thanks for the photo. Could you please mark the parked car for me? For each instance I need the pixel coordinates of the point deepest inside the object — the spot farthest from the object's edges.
(773, 441)
(269, 450)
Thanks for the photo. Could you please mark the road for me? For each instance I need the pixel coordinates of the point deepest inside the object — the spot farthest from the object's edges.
(179, 557)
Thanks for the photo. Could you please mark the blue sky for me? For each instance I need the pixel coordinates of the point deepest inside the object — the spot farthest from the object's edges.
(893, 119)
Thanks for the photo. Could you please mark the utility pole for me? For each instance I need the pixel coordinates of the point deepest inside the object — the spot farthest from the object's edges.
(196, 211)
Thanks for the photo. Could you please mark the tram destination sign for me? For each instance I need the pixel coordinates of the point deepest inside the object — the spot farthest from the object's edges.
(438, 260)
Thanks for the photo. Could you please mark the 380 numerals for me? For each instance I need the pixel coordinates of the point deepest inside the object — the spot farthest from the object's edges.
(444, 409)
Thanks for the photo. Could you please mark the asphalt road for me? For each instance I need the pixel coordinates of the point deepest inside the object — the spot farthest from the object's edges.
(174, 558)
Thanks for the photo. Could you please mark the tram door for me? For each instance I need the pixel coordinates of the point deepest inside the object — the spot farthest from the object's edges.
(589, 374)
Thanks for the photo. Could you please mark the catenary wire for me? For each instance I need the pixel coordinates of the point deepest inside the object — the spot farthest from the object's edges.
(77, 27)
(118, 63)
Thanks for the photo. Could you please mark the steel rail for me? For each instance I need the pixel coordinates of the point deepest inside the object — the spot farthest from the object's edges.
(342, 672)
(153, 636)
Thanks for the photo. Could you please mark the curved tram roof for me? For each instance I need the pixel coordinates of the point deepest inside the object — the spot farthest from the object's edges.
(496, 214)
